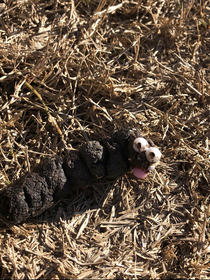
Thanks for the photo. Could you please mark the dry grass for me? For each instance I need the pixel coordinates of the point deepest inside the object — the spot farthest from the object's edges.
(72, 71)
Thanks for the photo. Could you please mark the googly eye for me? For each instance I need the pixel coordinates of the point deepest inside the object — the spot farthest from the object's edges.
(140, 144)
(153, 154)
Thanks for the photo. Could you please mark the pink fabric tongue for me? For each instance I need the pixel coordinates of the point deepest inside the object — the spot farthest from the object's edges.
(139, 173)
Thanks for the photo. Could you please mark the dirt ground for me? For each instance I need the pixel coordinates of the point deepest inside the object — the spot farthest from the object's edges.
(72, 71)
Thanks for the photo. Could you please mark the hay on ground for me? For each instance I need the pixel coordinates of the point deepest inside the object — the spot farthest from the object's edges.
(72, 71)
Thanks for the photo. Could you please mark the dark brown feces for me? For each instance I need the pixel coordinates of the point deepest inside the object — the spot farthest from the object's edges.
(93, 161)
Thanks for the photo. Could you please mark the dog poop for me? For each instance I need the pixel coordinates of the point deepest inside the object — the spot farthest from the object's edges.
(92, 162)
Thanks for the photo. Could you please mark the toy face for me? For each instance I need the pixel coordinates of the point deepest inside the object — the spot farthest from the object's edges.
(144, 157)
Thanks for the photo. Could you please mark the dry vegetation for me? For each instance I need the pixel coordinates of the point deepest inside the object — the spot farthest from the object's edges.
(72, 71)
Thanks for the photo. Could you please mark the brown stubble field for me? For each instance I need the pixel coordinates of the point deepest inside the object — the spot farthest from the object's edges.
(72, 71)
